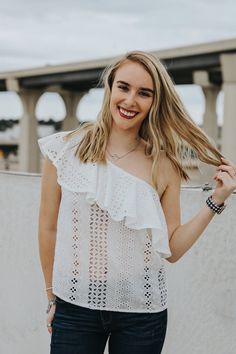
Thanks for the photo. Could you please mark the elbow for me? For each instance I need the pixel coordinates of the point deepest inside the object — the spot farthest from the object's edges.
(171, 259)
(47, 235)
(46, 226)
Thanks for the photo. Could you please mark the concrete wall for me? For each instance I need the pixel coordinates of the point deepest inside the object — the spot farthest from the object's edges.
(202, 285)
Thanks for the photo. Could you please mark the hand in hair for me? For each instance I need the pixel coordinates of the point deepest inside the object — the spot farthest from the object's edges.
(225, 181)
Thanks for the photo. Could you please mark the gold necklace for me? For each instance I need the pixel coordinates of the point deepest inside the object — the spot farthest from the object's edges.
(116, 157)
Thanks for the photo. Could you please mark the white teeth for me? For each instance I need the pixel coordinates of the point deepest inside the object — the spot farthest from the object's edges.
(128, 114)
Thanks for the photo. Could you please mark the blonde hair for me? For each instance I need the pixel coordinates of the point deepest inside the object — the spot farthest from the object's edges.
(168, 125)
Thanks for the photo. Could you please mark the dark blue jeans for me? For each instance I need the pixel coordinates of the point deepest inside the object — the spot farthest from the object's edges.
(80, 330)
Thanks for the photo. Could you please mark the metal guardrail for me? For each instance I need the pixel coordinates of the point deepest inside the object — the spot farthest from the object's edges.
(207, 186)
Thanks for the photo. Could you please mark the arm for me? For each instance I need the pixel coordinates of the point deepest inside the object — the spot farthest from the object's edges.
(187, 234)
(47, 227)
(182, 237)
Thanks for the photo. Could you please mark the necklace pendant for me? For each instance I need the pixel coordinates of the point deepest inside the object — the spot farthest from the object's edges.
(117, 157)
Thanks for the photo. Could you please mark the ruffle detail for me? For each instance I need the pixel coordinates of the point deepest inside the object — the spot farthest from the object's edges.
(125, 197)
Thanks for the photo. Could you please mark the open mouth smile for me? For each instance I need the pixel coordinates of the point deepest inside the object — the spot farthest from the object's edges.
(127, 114)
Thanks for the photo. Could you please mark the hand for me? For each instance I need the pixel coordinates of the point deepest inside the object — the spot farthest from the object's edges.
(225, 181)
(50, 317)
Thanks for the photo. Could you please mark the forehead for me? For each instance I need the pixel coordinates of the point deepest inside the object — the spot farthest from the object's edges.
(134, 74)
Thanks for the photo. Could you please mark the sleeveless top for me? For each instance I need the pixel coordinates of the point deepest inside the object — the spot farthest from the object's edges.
(111, 237)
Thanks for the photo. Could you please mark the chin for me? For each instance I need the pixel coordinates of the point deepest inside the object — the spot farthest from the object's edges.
(125, 126)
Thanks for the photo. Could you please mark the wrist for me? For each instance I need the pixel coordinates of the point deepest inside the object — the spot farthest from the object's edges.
(50, 294)
(51, 303)
(217, 206)
(219, 201)
(52, 297)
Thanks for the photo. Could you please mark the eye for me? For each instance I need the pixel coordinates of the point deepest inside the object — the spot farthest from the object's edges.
(145, 94)
(123, 87)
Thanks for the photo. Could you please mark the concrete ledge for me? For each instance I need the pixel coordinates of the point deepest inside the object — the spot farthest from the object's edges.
(202, 285)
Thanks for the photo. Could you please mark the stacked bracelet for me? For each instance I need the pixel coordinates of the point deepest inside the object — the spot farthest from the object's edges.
(216, 208)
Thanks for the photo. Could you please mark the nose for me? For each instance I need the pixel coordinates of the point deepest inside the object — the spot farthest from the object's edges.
(130, 99)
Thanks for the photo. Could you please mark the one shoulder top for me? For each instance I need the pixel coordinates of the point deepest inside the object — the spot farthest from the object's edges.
(111, 234)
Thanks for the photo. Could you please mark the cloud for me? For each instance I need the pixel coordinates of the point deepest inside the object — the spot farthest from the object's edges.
(36, 33)
(57, 31)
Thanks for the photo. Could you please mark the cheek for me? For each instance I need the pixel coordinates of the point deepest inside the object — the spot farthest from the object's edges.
(116, 97)
(147, 106)
(112, 98)
(112, 104)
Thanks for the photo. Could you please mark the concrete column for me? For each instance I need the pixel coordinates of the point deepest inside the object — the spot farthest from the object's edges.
(29, 154)
(210, 116)
(210, 92)
(71, 100)
(228, 62)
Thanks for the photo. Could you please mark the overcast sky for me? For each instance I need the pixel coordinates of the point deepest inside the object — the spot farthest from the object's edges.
(36, 33)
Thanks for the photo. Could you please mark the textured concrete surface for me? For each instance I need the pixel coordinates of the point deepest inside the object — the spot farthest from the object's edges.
(202, 285)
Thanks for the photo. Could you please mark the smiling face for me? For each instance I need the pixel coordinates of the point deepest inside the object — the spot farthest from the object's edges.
(131, 96)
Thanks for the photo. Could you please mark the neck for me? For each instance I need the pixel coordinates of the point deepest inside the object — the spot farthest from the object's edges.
(121, 141)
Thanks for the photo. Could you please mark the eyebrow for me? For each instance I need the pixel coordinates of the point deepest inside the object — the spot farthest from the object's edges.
(141, 88)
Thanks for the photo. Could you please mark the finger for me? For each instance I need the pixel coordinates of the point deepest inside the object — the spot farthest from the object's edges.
(215, 176)
(224, 164)
(227, 162)
(50, 318)
(226, 180)
(222, 176)
(229, 169)
(49, 327)
(225, 185)
(231, 166)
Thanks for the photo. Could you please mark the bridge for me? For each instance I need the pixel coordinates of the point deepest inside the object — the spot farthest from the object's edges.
(212, 66)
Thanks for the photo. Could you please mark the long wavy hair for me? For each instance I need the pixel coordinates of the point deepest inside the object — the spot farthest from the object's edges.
(168, 126)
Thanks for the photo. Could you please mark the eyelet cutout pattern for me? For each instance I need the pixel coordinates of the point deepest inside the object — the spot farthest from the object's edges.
(98, 257)
(75, 246)
(111, 236)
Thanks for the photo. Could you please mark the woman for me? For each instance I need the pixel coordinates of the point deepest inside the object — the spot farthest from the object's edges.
(110, 212)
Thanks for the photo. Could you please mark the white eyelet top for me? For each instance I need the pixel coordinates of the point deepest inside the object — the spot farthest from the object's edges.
(111, 234)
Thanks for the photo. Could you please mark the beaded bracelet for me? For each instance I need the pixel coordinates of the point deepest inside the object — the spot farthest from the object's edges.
(215, 207)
